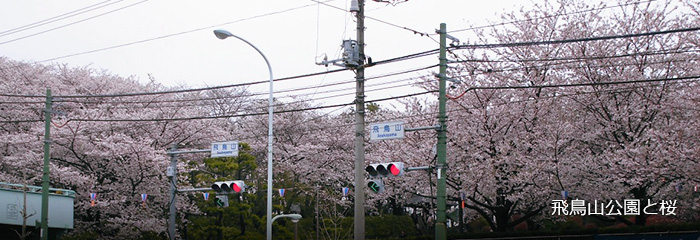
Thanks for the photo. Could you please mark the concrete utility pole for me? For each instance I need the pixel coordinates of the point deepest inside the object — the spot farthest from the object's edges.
(359, 230)
(173, 184)
(45, 179)
(440, 224)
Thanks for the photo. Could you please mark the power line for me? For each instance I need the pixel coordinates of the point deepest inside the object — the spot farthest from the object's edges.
(406, 57)
(402, 58)
(590, 39)
(73, 23)
(57, 18)
(375, 19)
(240, 115)
(574, 59)
(224, 97)
(197, 89)
(545, 17)
(575, 84)
(176, 34)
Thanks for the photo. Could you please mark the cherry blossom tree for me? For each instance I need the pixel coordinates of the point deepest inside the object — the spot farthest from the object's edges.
(605, 141)
(103, 145)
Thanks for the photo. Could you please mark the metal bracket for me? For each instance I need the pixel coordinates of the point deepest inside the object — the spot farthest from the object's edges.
(425, 168)
(435, 127)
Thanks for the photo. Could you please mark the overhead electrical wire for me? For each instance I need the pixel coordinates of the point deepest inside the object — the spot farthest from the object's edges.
(693, 78)
(412, 70)
(177, 34)
(575, 84)
(589, 39)
(195, 89)
(423, 114)
(546, 17)
(425, 53)
(73, 23)
(206, 101)
(254, 136)
(241, 115)
(433, 113)
(401, 58)
(372, 18)
(57, 18)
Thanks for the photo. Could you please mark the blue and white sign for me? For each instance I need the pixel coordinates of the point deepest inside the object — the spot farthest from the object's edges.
(386, 130)
(224, 149)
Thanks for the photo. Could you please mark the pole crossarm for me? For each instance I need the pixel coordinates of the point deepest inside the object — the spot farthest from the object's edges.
(425, 168)
(195, 190)
(436, 127)
(188, 151)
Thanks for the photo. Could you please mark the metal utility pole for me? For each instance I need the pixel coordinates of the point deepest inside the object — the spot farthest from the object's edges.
(45, 179)
(359, 219)
(440, 224)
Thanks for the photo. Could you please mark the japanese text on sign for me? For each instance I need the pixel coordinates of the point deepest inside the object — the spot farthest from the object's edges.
(224, 149)
(614, 207)
(386, 130)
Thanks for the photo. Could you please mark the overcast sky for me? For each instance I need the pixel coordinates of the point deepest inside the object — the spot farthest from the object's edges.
(172, 41)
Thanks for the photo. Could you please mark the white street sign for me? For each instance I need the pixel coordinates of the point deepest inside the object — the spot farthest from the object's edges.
(224, 149)
(386, 130)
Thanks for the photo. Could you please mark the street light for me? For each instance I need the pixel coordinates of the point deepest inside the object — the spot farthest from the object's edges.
(223, 34)
(295, 217)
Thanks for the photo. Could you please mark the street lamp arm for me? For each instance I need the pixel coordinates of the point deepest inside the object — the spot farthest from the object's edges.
(223, 34)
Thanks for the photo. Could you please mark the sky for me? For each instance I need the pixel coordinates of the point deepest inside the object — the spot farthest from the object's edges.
(172, 42)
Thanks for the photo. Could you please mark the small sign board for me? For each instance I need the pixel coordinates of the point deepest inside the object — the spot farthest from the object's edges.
(386, 130)
(224, 149)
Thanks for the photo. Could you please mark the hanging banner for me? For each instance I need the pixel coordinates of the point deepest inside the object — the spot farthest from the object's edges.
(144, 197)
(93, 198)
(345, 191)
(281, 190)
(565, 194)
(206, 196)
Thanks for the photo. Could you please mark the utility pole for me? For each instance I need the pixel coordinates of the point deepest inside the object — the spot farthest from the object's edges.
(173, 181)
(359, 219)
(45, 179)
(440, 224)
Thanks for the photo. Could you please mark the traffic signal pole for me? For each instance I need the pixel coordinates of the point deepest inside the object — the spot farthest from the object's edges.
(172, 173)
(440, 224)
(359, 213)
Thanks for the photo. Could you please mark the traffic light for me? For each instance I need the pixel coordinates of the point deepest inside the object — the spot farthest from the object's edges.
(222, 201)
(385, 169)
(376, 185)
(377, 171)
(228, 187)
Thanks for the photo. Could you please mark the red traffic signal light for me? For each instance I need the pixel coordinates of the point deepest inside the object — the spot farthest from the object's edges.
(229, 187)
(385, 169)
(395, 168)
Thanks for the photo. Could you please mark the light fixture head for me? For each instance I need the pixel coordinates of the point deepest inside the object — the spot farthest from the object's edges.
(222, 34)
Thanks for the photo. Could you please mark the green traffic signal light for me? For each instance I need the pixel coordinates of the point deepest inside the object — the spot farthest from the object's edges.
(373, 186)
(221, 201)
(376, 185)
